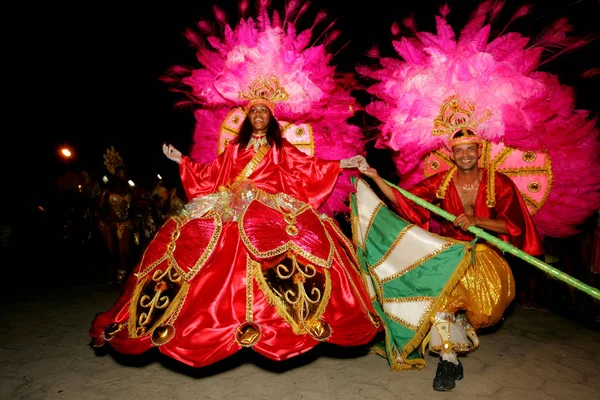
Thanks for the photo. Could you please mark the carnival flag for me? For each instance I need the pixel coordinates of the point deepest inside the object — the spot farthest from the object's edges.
(407, 269)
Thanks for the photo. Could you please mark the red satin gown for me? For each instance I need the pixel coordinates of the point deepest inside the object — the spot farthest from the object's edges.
(249, 264)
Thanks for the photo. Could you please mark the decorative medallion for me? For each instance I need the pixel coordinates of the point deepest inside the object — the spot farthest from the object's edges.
(162, 334)
(534, 187)
(248, 334)
(529, 156)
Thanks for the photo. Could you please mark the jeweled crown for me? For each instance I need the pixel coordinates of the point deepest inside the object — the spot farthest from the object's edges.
(112, 160)
(456, 115)
(265, 90)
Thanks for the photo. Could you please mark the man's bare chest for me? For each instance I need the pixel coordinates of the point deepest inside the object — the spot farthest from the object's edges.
(468, 196)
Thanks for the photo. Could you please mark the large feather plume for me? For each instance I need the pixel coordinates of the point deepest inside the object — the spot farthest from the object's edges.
(232, 57)
(530, 109)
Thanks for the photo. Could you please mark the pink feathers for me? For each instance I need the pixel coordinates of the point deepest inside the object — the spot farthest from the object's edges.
(530, 110)
(270, 45)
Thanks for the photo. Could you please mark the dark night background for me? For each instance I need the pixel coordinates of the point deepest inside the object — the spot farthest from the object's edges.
(87, 75)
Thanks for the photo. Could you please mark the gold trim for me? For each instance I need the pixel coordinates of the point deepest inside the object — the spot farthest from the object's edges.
(289, 245)
(441, 155)
(371, 222)
(310, 144)
(491, 181)
(251, 166)
(144, 324)
(228, 128)
(441, 192)
(415, 264)
(302, 326)
(349, 247)
(423, 331)
(344, 267)
(251, 266)
(386, 255)
(355, 219)
(172, 246)
(210, 247)
(403, 322)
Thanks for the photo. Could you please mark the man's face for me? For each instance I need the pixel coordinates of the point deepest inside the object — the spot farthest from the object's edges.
(259, 115)
(466, 156)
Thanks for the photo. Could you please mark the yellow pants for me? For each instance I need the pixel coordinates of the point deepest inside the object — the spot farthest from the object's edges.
(485, 290)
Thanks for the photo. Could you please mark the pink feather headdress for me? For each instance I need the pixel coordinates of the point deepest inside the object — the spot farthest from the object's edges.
(318, 104)
(533, 134)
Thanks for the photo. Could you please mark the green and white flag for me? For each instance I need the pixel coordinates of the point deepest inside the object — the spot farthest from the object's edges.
(407, 269)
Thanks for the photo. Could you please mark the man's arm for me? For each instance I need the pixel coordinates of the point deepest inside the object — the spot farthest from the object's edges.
(385, 188)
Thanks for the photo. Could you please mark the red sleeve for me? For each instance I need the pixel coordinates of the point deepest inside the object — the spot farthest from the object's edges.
(201, 179)
(511, 208)
(412, 212)
(306, 178)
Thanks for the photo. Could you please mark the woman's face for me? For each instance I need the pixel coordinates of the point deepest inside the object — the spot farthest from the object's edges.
(259, 115)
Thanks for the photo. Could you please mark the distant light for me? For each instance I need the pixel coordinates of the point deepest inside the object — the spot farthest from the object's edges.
(131, 183)
(159, 177)
(105, 179)
(79, 187)
(66, 152)
(41, 208)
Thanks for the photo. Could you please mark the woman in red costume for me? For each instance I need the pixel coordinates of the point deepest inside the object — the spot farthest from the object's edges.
(249, 263)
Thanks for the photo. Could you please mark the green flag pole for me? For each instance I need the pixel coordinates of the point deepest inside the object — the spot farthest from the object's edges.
(505, 247)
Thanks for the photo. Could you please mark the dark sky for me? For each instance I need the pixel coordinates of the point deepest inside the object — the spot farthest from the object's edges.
(86, 74)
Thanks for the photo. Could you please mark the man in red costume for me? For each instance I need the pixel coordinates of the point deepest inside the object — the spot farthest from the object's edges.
(488, 200)
(249, 263)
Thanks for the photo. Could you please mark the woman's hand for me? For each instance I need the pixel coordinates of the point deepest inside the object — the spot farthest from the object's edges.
(357, 161)
(172, 153)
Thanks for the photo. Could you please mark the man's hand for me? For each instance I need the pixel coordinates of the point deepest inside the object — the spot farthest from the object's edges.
(370, 172)
(464, 221)
(172, 153)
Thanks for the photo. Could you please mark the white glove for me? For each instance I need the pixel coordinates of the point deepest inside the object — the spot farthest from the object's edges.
(357, 161)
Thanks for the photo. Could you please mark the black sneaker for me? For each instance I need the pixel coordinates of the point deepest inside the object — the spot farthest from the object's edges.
(446, 375)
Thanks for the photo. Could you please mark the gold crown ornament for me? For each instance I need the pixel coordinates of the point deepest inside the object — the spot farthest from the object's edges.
(457, 115)
(112, 160)
(265, 90)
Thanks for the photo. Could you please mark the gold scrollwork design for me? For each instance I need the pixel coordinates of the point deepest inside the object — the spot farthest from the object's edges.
(154, 298)
(157, 302)
(171, 247)
(297, 296)
(299, 291)
(111, 330)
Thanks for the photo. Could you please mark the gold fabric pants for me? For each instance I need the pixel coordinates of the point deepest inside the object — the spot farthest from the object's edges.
(485, 290)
